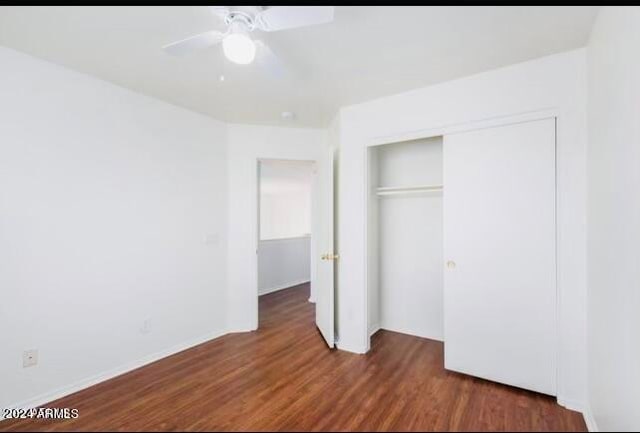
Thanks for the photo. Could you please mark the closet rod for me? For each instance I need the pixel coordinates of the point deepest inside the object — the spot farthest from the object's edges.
(408, 189)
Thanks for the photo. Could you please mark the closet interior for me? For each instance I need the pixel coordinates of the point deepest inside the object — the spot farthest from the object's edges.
(405, 245)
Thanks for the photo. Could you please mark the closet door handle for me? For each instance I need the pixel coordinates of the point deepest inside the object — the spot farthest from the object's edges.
(330, 256)
(451, 264)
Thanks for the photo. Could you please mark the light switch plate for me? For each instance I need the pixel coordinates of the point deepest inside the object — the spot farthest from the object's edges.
(29, 358)
(146, 326)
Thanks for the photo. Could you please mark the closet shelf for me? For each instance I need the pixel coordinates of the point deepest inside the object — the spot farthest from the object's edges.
(397, 190)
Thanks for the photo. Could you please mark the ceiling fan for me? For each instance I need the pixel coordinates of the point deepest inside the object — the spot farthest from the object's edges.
(240, 21)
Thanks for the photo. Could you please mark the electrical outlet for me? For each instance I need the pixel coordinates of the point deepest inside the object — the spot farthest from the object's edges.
(29, 358)
(146, 326)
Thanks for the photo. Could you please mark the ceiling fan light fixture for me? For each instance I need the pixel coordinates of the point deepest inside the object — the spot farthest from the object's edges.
(239, 48)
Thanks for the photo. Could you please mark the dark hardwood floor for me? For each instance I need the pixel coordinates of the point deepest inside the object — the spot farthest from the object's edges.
(283, 377)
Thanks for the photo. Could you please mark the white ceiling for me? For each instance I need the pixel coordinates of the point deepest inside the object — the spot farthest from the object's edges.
(367, 52)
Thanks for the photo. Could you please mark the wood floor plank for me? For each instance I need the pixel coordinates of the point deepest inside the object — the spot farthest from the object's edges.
(284, 378)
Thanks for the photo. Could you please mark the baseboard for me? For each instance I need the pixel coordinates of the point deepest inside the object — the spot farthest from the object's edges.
(412, 333)
(579, 406)
(590, 421)
(282, 287)
(373, 330)
(351, 347)
(242, 330)
(571, 404)
(48, 397)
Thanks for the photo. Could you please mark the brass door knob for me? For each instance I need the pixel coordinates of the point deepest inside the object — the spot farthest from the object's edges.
(451, 264)
(330, 256)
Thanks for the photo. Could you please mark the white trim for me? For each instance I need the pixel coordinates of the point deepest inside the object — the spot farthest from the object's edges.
(242, 330)
(360, 350)
(365, 227)
(64, 391)
(570, 404)
(284, 286)
(464, 127)
(590, 421)
(374, 329)
(412, 333)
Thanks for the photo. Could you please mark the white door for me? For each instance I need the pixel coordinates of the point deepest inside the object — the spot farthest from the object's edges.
(500, 260)
(324, 253)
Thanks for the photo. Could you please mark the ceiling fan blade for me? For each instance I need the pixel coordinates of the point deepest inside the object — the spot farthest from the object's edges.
(288, 17)
(194, 43)
(270, 62)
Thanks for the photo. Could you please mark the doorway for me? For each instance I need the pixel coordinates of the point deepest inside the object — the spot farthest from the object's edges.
(286, 265)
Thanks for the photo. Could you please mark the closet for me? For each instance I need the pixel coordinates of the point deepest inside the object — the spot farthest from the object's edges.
(405, 238)
(461, 244)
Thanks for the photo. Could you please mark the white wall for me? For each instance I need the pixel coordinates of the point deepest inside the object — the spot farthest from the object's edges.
(106, 198)
(285, 215)
(285, 199)
(247, 144)
(555, 84)
(283, 263)
(614, 220)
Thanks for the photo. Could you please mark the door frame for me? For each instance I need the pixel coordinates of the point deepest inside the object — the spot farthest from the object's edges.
(258, 161)
(443, 130)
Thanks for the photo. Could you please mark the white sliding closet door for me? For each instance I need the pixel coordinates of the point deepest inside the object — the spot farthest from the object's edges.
(499, 249)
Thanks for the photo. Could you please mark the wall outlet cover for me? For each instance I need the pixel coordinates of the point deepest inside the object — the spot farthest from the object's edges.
(146, 326)
(29, 358)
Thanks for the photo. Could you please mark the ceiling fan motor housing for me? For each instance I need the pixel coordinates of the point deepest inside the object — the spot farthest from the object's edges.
(239, 23)
(242, 18)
